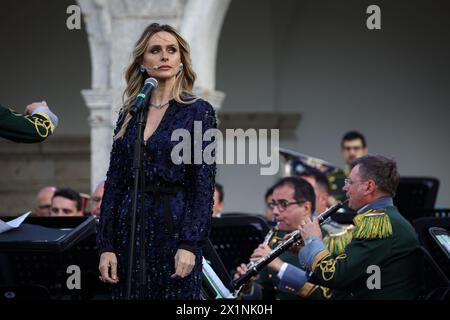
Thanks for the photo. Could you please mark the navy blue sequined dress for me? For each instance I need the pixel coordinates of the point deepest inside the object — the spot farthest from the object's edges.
(177, 206)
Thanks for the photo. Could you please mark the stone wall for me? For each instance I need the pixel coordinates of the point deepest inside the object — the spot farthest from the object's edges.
(64, 162)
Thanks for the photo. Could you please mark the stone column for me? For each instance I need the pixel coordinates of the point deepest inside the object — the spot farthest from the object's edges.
(99, 103)
(201, 25)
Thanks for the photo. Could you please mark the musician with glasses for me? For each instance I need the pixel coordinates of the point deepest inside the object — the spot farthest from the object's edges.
(293, 202)
(383, 260)
(336, 239)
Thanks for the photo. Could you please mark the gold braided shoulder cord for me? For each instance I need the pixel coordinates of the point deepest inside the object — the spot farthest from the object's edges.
(329, 266)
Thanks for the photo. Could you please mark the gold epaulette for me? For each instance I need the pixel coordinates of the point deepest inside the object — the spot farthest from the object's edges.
(373, 224)
(336, 242)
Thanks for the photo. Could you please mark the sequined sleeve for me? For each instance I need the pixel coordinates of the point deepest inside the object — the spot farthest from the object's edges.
(200, 190)
(114, 192)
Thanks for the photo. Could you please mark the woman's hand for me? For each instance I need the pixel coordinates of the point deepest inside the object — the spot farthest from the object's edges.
(184, 263)
(108, 267)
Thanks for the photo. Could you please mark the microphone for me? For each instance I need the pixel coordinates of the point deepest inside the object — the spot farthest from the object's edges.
(142, 98)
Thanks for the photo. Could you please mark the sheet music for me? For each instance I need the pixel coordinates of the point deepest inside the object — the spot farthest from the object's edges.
(13, 224)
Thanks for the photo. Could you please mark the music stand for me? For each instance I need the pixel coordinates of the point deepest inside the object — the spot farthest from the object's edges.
(416, 194)
(235, 236)
(39, 254)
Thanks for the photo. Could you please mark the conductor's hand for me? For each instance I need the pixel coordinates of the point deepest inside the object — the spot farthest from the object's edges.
(108, 267)
(184, 263)
(31, 107)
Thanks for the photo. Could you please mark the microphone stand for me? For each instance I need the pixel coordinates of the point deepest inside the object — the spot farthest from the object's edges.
(139, 181)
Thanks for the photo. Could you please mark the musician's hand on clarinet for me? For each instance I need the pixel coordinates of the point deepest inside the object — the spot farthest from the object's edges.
(310, 228)
(108, 267)
(184, 263)
(262, 251)
(240, 271)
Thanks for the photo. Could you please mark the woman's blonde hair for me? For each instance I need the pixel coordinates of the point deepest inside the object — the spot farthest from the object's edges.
(182, 90)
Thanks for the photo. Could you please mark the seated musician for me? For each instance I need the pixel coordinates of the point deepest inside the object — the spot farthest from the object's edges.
(336, 239)
(293, 203)
(383, 260)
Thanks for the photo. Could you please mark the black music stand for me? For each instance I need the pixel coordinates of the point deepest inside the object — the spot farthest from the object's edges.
(416, 194)
(235, 236)
(39, 252)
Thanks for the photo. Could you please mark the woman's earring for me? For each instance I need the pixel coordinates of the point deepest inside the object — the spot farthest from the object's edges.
(181, 67)
(142, 69)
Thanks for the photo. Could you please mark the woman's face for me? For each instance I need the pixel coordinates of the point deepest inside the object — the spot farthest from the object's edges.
(162, 58)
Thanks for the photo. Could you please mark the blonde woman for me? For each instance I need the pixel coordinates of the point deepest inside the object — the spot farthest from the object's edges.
(178, 198)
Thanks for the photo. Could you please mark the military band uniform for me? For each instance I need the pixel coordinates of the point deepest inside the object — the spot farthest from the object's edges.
(294, 280)
(382, 239)
(285, 284)
(27, 128)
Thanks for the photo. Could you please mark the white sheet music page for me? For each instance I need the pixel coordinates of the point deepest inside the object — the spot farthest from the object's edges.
(13, 224)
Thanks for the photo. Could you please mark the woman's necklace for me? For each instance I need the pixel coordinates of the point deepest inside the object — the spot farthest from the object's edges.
(159, 106)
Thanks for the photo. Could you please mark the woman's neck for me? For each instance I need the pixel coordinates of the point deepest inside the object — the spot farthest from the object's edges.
(163, 93)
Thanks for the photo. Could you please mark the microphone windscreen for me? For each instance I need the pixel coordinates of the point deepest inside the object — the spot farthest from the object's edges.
(151, 81)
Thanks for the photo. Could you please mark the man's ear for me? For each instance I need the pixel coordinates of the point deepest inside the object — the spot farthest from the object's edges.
(371, 186)
(308, 206)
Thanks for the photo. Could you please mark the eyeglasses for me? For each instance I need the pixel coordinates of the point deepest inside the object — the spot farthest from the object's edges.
(283, 204)
(349, 181)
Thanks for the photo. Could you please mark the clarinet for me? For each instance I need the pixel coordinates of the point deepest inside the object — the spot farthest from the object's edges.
(269, 236)
(282, 247)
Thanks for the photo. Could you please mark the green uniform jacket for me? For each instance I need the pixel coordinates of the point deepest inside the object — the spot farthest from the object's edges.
(381, 238)
(336, 238)
(27, 129)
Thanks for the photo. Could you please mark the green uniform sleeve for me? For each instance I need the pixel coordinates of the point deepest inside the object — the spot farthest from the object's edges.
(26, 129)
(343, 270)
(371, 244)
